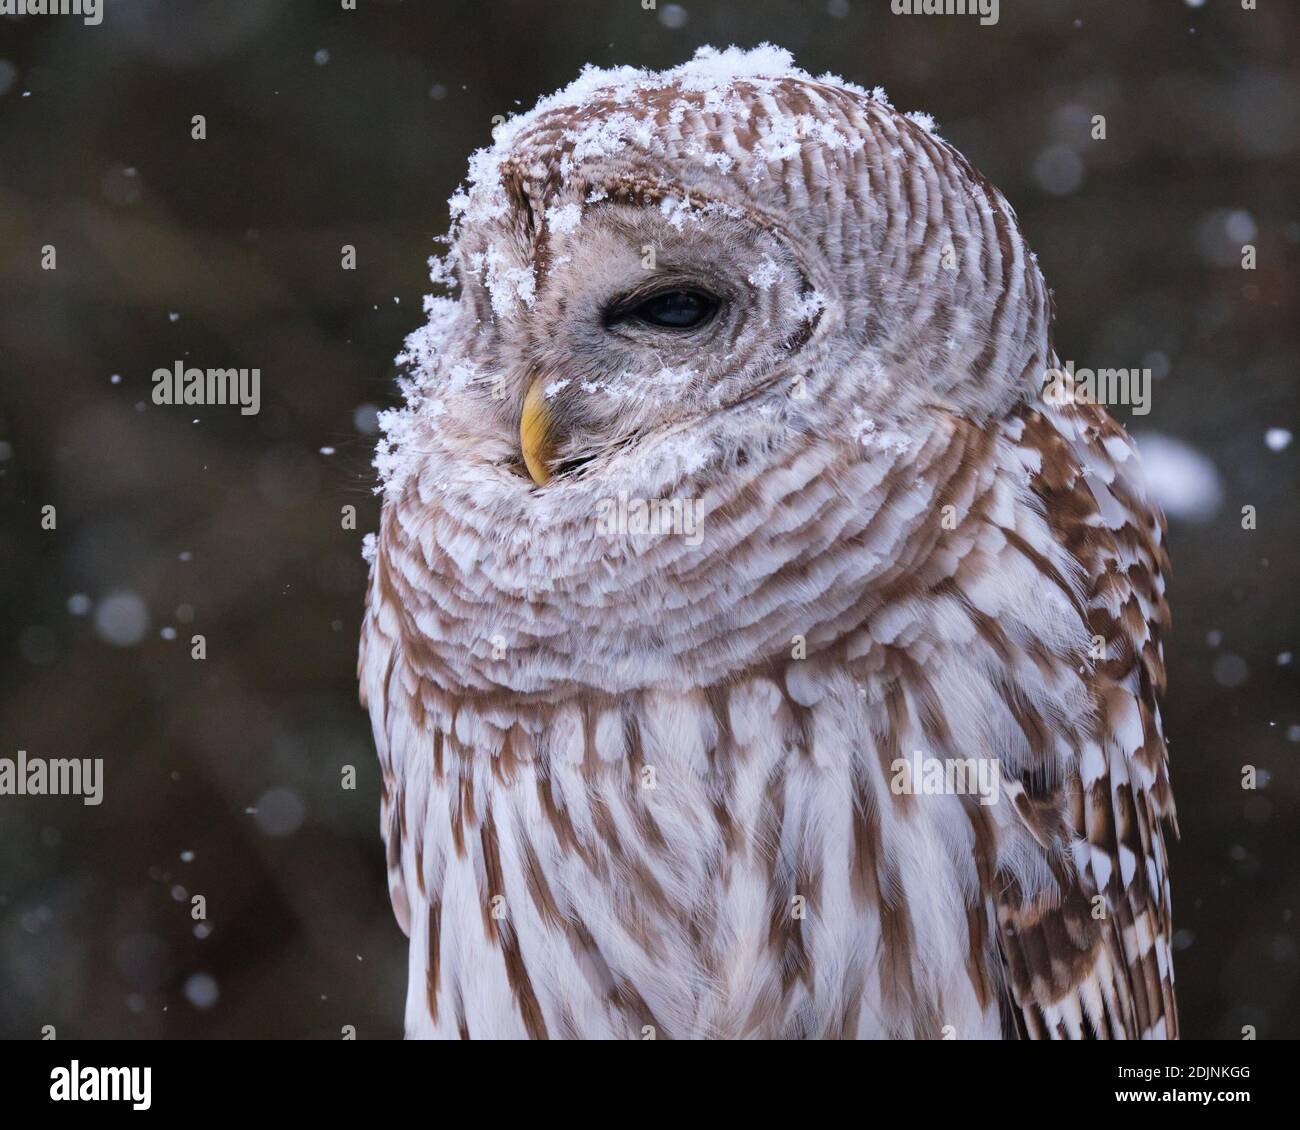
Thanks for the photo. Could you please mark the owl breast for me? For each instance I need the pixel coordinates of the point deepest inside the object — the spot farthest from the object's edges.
(721, 865)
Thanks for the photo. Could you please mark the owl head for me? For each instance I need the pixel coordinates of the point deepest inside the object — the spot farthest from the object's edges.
(672, 284)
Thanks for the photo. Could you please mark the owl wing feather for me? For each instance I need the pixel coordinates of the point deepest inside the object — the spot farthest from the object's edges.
(376, 669)
(1095, 962)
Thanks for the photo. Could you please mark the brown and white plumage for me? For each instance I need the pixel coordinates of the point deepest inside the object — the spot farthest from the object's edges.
(621, 798)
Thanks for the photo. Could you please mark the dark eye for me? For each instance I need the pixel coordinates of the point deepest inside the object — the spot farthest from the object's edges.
(674, 310)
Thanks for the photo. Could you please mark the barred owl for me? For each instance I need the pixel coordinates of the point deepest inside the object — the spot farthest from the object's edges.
(724, 494)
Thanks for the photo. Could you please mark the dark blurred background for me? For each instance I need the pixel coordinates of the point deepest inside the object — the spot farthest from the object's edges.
(328, 127)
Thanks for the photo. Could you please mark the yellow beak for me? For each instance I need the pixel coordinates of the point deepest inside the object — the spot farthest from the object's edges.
(536, 433)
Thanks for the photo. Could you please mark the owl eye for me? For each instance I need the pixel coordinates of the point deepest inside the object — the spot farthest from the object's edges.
(673, 310)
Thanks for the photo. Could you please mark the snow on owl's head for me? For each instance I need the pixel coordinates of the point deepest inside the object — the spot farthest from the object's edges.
(651, 252)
